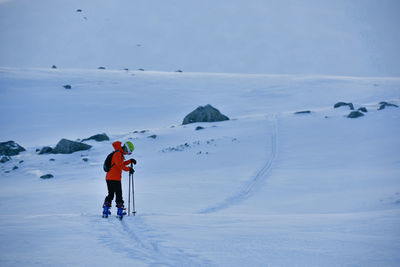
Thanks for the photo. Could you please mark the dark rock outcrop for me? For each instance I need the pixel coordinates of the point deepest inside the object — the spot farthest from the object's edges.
(10, 148)
(45, 150)
(386, 104)
(67, 147)
(204, 114)
(98, 137)
(340, 104)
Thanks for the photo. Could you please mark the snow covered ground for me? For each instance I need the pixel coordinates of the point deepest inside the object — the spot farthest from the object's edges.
(266, 188)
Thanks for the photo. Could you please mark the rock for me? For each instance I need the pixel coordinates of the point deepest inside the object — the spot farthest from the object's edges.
(10, 148)
(386, 104)
(47, 176)
(4, 159)
(54, 67)
(363, 109)
(85, 159)
(204, 114)
(355, 114)
(98, 138)
(67, 86)
(178, 71)
(340, 104)
(51, 159)
(154, 136)
(15, 168)
(198, 128)
(303, 112)
(141, 69)
(79, 10)
(21, 161)
(46, 150)
(101, 68)
(67, 147)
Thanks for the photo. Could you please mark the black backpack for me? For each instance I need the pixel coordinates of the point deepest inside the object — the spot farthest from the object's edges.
(107, 163)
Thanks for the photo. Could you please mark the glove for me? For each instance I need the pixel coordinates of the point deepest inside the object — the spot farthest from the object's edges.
(133, 161)
(131, 171)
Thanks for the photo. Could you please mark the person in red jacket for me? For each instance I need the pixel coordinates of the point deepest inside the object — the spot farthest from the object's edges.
(113, 177)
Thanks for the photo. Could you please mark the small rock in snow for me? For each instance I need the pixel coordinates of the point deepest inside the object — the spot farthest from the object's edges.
(47, 176)
(340, 104)
(4, 159)
(363, 109)
(355, 114)
(303, 112)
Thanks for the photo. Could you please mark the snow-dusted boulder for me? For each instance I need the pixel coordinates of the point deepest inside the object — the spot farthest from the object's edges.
(67, 147)
(98, 138)
(10, 148)
(204, 114)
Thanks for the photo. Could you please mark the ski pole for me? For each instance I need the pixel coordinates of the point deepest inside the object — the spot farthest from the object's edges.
(133, 196)
(129, 197)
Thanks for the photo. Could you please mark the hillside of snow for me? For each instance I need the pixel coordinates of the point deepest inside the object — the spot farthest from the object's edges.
(355, 38)
(266, 188)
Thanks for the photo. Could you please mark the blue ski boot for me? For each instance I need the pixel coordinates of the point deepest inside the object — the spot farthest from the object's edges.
(106, 211)
(121, 212)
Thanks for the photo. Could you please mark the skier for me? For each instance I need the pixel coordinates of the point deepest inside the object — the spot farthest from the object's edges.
(113, 177)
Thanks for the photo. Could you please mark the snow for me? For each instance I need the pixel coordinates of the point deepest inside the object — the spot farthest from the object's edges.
(266, 188)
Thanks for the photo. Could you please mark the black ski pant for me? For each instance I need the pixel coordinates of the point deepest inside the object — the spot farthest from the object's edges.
(114, 187)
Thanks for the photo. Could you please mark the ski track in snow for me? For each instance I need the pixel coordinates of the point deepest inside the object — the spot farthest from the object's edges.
(136, 240)
(249, 188)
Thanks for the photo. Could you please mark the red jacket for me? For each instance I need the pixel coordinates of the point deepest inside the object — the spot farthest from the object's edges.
(118, 164)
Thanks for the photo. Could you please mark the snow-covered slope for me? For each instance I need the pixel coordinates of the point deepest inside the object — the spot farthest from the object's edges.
(340, 37)
(267, 188)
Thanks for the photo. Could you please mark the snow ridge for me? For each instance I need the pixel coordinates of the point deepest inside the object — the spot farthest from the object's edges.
(251, 186)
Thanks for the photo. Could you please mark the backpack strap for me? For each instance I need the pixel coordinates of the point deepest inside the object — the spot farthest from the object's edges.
(113, 156)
